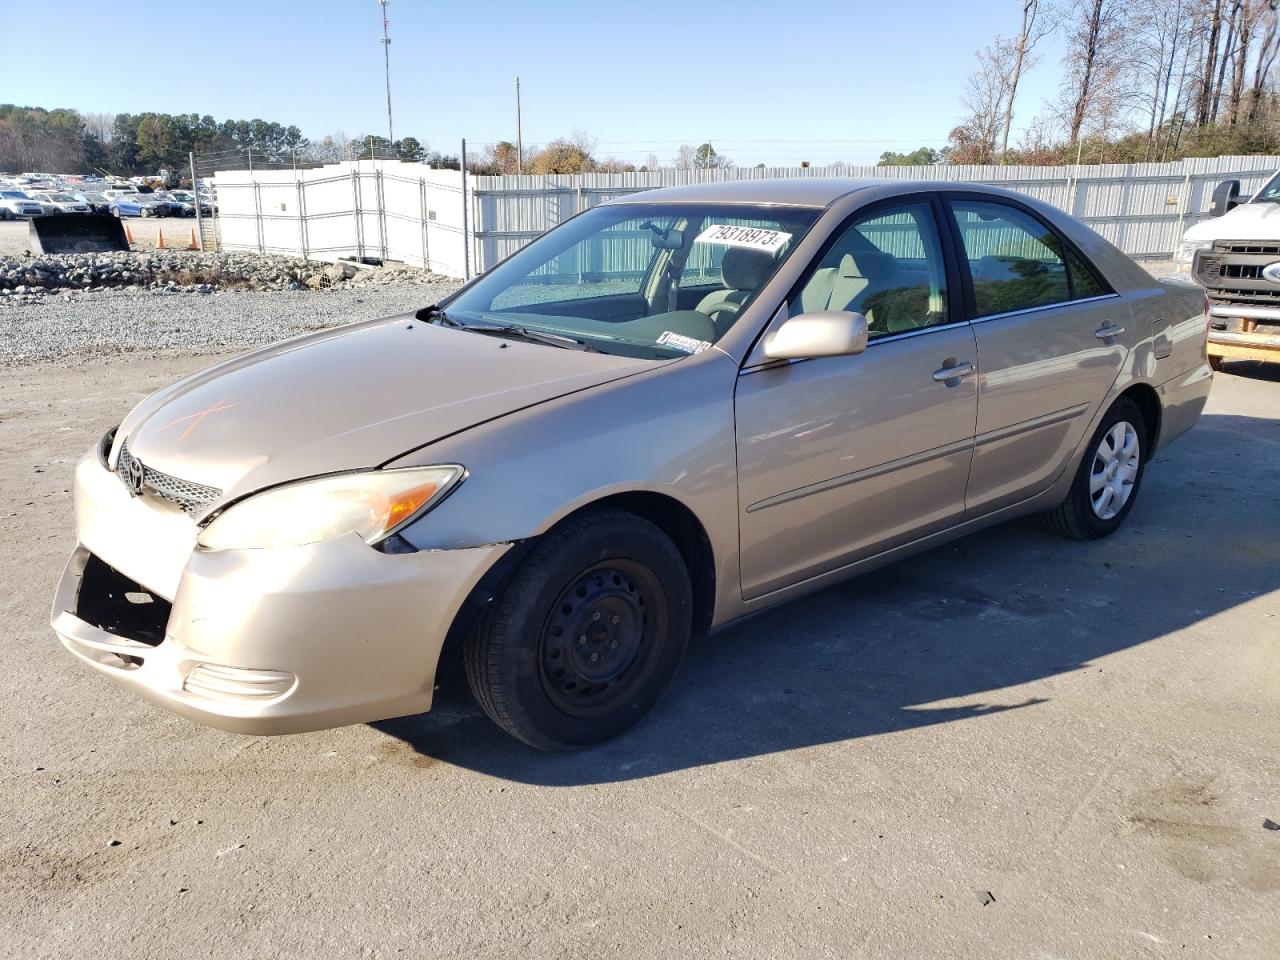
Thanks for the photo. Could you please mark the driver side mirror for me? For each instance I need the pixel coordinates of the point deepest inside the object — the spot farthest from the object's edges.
(823, 333)
(1226, 195)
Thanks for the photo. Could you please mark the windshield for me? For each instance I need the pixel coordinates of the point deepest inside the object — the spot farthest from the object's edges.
(1271, 191)
(14, 195)
(62, 198)
(655, 280)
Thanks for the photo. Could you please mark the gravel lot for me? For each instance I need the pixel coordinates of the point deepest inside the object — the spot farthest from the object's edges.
(1013, 746)
(75, 325)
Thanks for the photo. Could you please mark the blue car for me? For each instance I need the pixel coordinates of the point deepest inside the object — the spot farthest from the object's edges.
(137, 206)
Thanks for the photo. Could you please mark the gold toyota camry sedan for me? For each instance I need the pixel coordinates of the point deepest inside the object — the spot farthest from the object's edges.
(668, 413)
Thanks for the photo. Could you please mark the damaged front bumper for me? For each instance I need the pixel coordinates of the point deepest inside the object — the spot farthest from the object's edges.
(255, 641)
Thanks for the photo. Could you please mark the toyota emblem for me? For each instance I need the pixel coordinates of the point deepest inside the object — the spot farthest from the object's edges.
(1272, 272)
(135, 477)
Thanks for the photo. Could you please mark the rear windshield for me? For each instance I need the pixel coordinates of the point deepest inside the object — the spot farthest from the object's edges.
(654, 280)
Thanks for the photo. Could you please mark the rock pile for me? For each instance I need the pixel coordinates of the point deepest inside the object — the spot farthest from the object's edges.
(29, 278)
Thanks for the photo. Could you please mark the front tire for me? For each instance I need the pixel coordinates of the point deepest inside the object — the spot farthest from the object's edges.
(587, 634)
(1108, 479)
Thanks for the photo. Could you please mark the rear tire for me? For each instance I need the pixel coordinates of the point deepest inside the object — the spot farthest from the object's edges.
(587, 634)
(1108, 479)
(1215, 363)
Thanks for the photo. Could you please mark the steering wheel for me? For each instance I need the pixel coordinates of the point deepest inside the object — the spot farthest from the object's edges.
(728, 307)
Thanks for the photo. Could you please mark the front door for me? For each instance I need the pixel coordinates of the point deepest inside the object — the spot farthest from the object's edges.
(843, 457)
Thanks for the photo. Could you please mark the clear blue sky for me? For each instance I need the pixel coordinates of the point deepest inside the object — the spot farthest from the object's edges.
(639, 77)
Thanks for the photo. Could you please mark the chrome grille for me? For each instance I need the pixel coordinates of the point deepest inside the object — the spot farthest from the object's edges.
(1247, 246)
(193, 498)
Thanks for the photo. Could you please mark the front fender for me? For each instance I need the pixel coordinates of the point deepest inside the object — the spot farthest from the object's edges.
(669, 431)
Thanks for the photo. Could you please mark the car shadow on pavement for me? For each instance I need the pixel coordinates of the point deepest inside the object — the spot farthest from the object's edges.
(937, 638)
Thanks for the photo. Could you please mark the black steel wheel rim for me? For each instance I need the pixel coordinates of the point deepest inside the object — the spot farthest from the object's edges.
(599, 643)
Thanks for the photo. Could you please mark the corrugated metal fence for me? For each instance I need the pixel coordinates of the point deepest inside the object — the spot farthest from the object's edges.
(1143, 208)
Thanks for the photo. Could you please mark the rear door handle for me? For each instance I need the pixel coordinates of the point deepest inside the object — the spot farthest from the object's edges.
(955, 372)
(1107, 331)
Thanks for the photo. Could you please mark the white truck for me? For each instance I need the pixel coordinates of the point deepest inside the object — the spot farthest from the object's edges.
(1235, 256)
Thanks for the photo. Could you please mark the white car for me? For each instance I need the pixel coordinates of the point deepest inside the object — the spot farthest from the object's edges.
(15, 203)
(61, 203)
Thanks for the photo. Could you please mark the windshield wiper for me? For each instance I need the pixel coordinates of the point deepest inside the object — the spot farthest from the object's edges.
(534, 336)
(434, 314)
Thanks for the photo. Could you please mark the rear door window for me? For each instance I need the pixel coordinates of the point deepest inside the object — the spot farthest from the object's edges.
(1015, 260)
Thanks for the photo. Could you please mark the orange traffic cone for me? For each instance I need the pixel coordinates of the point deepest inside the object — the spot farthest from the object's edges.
(128, 237)
(159, 239)
(193, 245)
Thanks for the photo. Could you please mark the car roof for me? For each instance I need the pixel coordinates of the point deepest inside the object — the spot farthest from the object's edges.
(800, 191)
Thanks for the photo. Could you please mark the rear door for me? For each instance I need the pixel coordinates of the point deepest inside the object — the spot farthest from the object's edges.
(1051, 341)
(843, 457)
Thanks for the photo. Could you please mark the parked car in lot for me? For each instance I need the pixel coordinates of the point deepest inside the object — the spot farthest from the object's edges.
(186, 203)
(60, 203)
(15, 203)
(96, 201)
(577, 462)
(136, 205)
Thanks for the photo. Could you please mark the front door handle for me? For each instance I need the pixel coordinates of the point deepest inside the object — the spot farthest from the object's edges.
(951, 375)
(1107, 331)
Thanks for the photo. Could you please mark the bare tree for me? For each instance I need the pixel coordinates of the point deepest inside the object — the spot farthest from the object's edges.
(1034, 29)
(1268, 47)
(100, 125)
(1224, 57)
(1247, 21)
(1204, 98)
(1095, 38)
(1161, 49)
(330, 148)
(986, 97)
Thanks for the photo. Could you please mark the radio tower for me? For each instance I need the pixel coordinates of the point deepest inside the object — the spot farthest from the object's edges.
(385, 40)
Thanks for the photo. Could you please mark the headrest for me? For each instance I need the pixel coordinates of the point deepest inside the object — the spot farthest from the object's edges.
(870, 265)
(745, 269)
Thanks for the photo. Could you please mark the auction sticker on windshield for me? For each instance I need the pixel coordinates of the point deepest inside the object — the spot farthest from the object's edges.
(677, 341)
(755, 238)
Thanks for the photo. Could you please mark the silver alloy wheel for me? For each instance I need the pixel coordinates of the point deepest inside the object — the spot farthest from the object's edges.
(1115, 467)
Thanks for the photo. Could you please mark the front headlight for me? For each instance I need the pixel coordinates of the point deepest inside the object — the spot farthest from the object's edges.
(373, 504)
(1187, 252)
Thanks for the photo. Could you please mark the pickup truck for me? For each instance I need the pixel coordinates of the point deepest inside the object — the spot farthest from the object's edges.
(1235, 256)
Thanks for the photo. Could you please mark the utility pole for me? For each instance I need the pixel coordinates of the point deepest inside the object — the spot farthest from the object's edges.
(385, 40)
(519, 134)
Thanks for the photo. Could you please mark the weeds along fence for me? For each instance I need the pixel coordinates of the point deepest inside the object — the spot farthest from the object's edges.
(460, 225)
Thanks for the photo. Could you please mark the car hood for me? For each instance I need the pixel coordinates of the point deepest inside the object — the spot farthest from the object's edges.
(1249, 221)
(350, 398)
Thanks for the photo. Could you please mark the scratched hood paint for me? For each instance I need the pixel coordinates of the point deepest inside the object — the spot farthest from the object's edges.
(345, 399)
